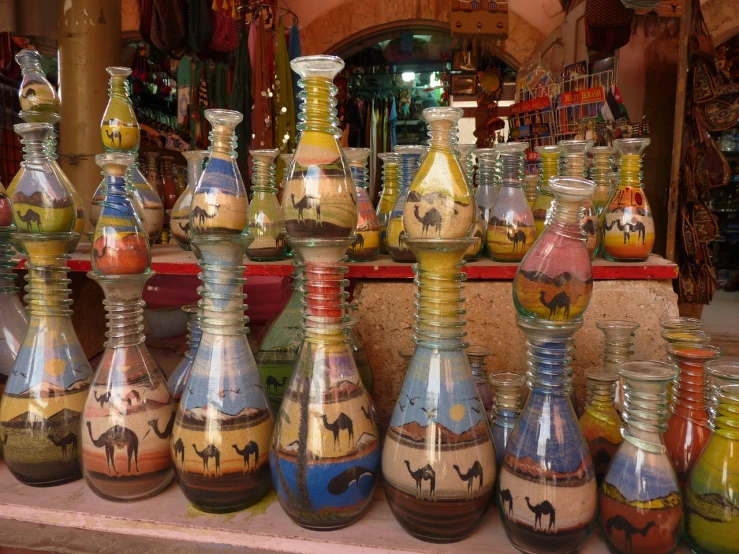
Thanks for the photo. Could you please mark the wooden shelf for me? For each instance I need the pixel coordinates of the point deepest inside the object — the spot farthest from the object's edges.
(72, 512)
(172, 260)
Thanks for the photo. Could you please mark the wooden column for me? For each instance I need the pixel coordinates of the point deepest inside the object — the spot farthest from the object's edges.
(89, 41)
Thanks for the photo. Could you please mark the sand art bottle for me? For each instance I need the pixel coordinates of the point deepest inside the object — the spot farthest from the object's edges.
(179, 220)
(508, 390)
(409, 160)
(720, 372)
(44, 397)
(467, 160)
(366, 243)
(531, 184)
(600, 422)
(641, 508)
(35, 93)
(549, 161)
(119, 129)
(628, 224)
(388, 196)
(178, 378)
(219, 204)
(599, 170)
(265, 215)
(319, 199)
(573, 162)
(510, 229)
(711, 502)
(476, 355)
(438, 459)
(325, 452)
(555, 278)
(488, 184)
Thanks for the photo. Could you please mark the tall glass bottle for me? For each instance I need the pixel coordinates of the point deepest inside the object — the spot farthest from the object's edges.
(573, 162)
(219, 203)
(547, 497)
(549, 162)
(325, 452)
(439, 202)
(555, 278)
(44, 397)
(600, 422)
(367, 241)
(476, 356)
(42, 201)
(180, 219)
(319, 188)
(711, 502)
(265, 215)
(617, 347)
(641, 508)
(488, 184)
(388, 196)
(119, 129)
(508, 396)
(178, 378)
(628, 224)
(409, 160)
(599, 170)
(223, 425)
(467, 161)
(146, 202)
(688, 430)
(438, 461)
(510, 229)
(35, 92)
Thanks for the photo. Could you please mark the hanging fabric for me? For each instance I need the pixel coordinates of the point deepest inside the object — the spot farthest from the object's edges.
(261, 115)
(223, 20)
(294, 51)
(168, 29)
(198, 19)
(184, 89)
(284, 100)
(241, 98)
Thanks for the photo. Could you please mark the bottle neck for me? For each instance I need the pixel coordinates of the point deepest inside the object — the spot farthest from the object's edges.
(263, 176)
(325, 318)
(222, 304)
(601, 396)
(602, 166)
(507, 400)
(193, 336)
(7, 277)
(440, 131)
(630, 173)
(573, 164)
(118, 88)
(565, 219)
(549, 168)
(689, 391)
(47, 292)
(408, 169)
(390, 178)
(318, 109)
(115, 188)
(360, 174)
(645, 415)
(549, 362)
(35, 151)
(194, 170)
(487, 169)
(125, 322)
(512, 169)
(223, 142)
(616, 349)
(726, 423)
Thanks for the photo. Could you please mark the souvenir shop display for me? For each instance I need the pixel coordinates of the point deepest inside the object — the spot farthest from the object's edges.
(179, 220)
(628, 225)
(178, 378)
(467, 160)
(600, 422)
(388, 195)
(119, 128)
(476, 355)
(573, 162)
(549, 167)
(408, 168)
(558, 287)
(510, 230)
(641, 506)
(265, 215)
(366, 243)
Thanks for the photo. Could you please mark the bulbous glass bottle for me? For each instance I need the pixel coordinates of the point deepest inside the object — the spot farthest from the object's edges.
(508, 396)
(720, 372)
(602, 165)
(438, 461)
(409, 160)
(573, 162)
(688, 430)
(476, 356)
(549, 167)
(439, 202)
(641, 507)
(265, 215)
(555, 278)
(712, 516)
(178, 378)
(388, 196)
(628, 211)
(510, 229)
(219, 204)
(319, 199)
(119, 129)
(119, 244)
(367, 232)
(45, 394)
(547, 496)
(467, 161)
(325, 452)
(35, 92)
(146, 202)
(179, 220)
(600, 422)
(223, 425)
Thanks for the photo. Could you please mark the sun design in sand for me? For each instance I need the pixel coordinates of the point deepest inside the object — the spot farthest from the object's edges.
(55, 367)
(456, 412)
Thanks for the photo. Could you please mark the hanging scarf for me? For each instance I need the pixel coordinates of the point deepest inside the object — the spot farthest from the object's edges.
(262, 79)
(284, 100)
(241, 98)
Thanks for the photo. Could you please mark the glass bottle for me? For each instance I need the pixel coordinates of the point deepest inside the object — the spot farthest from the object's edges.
(599, 170)
(531, 184)
(169, 187)
(720, 372)
(467, 160)
(367, 242)
(549, 161)
(628, 225)
(693, 336)
(319, 187)
(688, 430)
(547, 496)
(438, 460)
(219, 203)
(617, 347)
(119, 244)
(180, 178)
(712, 521)
(476, 356)
(406, 354)
(359, 353)
(153, 176)
(510, 229)
(129, 414)
(45, 394)
(325, 452)
(641, 507)
(119, 129)
(146, 202)
(223, 425)
(14, 320)
(409, 160)
(573, 162)
(555, 278)
(180, 218)
(178, 378)
(439, 202)
(35, 92)
(42, 201)
(600, 422)
(388, 196)
(508, 397)
(680, 323)
(265, 215)
(488, 184)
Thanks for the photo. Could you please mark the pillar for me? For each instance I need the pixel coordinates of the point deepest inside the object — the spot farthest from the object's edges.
(89, 41)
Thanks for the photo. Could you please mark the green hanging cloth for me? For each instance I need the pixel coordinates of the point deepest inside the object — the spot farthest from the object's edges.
(241, 99)
(284, 101)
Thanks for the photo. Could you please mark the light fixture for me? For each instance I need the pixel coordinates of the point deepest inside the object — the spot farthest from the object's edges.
(408, 77)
